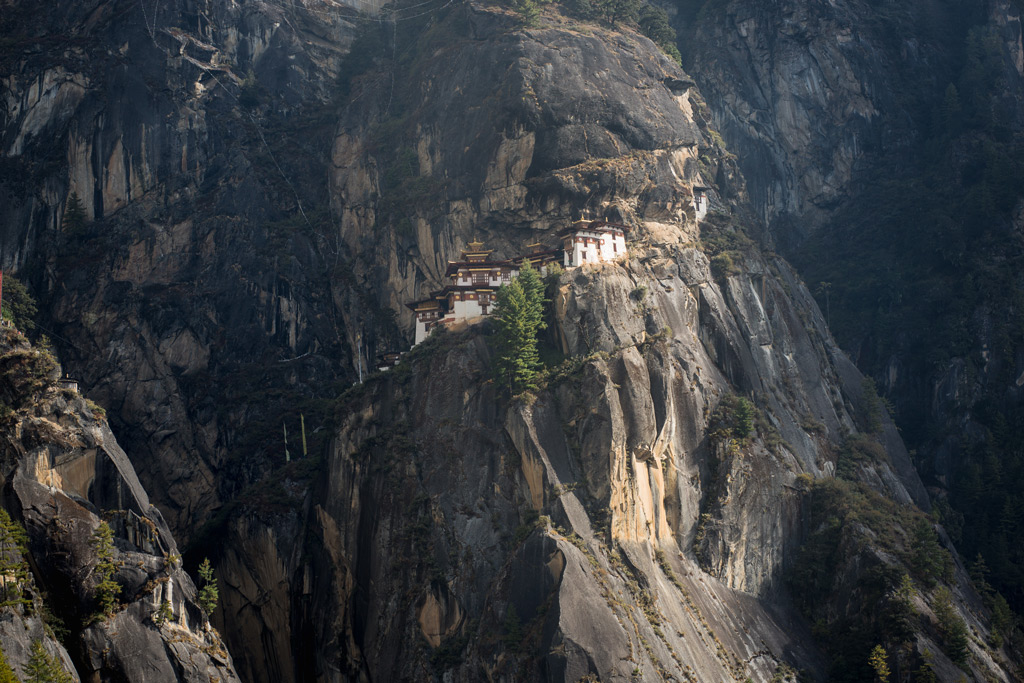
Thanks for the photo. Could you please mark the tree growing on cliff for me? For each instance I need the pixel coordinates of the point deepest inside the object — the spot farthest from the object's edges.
(534, 287)
(43, 667)
(654, 23)
(74, 215)
(519, 315)
(6, 672)
(955, 639)
(879, 664)
(107, 589)
(732, 419)
(13, 568)
(208, 594)
(18, 305)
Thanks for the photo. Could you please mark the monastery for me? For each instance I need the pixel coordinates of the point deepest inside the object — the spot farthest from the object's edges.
(473, 281)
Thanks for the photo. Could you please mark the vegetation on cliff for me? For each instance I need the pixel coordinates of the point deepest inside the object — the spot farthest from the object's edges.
(650, 19)
(19, 306)
(519, 319)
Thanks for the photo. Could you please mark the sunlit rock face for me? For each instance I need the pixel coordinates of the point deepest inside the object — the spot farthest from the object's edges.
(261, 203)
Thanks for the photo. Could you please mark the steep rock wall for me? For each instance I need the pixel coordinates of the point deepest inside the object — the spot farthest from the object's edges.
(642, 546)
(64, 473)
(809, 95)
(403, 550)
(184, 275)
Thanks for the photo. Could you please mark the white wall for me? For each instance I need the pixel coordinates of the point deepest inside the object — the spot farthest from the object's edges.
(421, 331)
(600, 246)
(700, 204)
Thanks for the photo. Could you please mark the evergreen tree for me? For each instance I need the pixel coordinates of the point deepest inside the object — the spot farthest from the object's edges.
(979, 577)
(165, 614)
(6, 672)
(517, 321)
(13, 568)
(897, 613)
(951, 627)
(74, 215)
(744, 416)
(18, 305)
(43, 667)
(107, 589)
(38, 668)
(619, 11)
(927, 558)
(654, 23)
(533, 287)
(879, 664)
(208, 594)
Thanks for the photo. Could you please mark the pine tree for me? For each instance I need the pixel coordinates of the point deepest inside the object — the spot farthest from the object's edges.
(533, 288)
(6, 672)
(979, 577)
(654, 23)
(164, 614)
(208, 594)
(13, 568)
(43, 667)
(107, 589)
(879, 664)
(951, 626)
(38, 668)
(74, 215)
(519, 313)
(744, 417)
(517, 360)
(18, 305)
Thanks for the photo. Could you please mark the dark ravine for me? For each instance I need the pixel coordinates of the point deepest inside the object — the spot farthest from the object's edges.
(258, 254)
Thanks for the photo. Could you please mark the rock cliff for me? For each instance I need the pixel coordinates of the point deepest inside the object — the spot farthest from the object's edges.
(644, 545)
(249, 241)
(865, 131)
(812, 96)
(187, 273)
(64, 475)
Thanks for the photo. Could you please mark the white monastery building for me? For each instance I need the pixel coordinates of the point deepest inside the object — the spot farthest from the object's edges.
(473, 281)
(593, 242)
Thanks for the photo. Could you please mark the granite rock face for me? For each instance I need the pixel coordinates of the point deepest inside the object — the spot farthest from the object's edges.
(809, 94)
(814, 98)
(598, 528)
(185, 276)
(250, 244)
(64, 473)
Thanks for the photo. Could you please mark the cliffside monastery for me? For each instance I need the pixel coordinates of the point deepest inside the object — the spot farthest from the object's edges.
(475, 279)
